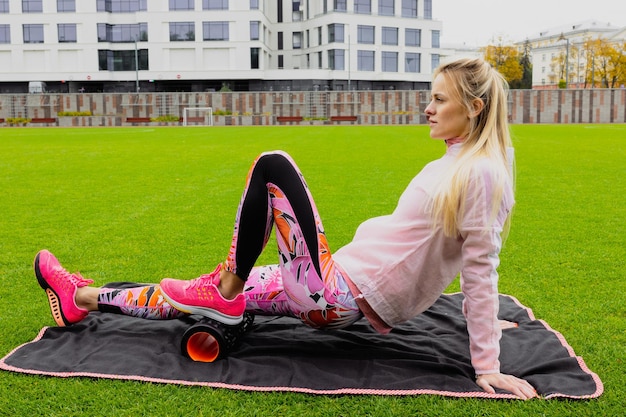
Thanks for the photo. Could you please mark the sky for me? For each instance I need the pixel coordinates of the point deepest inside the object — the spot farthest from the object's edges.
(477, 22)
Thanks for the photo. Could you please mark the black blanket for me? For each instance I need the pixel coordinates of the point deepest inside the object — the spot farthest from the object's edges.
(428, 355)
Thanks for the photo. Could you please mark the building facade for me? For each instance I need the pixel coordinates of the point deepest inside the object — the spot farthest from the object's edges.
(72, 46)
(558, 53)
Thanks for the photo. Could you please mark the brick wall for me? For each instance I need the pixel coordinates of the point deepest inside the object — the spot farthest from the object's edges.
(273, 108)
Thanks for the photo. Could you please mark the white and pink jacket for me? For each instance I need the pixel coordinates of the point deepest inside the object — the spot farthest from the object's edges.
(401, 264)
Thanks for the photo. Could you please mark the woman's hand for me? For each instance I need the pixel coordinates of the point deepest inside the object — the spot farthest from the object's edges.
(514, 385)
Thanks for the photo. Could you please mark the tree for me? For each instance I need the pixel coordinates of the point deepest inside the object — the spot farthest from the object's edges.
(612, 61)
(605, 63)
(505, 59)
(567, 57)
(620, 64)
(526, 82)
(590, 50)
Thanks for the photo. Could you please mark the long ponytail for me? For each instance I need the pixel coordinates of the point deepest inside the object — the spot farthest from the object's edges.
(489, 137)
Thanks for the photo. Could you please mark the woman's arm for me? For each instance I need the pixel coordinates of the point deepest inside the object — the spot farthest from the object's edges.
(479, 284)
(482, 243)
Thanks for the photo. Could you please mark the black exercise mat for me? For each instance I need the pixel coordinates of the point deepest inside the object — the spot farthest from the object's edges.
(428, 355)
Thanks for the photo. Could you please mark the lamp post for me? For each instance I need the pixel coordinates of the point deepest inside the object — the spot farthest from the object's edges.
(349, 53)
(136, 68)
(563, 38)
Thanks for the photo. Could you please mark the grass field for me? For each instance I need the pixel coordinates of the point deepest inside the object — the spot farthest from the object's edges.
(140, 204)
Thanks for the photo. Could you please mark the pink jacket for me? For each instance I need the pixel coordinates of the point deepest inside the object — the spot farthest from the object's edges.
(401, 264)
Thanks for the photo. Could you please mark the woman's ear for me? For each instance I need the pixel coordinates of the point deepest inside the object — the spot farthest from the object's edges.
(477, 105)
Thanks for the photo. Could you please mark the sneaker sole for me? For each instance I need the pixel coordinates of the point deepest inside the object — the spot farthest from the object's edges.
(205, 312)
(53, 298)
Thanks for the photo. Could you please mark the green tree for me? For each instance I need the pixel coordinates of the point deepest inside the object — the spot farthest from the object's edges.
(526, 82)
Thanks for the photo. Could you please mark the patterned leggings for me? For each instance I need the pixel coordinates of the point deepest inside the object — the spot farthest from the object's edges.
(305, 284)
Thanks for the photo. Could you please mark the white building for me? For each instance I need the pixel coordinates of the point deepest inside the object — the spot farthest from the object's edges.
(566, 41)
(200, 45)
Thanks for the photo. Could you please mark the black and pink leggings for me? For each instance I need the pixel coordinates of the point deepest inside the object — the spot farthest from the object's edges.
(305, 284)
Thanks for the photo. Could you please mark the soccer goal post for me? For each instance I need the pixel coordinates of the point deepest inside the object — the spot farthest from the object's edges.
(202, 116)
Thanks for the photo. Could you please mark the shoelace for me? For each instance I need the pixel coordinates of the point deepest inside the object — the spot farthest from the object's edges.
(65, 278)
(205, 280)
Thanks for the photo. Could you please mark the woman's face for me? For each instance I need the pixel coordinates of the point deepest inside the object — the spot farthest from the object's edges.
(448, 119)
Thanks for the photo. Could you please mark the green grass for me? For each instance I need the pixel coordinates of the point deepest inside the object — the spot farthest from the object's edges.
(141, 204)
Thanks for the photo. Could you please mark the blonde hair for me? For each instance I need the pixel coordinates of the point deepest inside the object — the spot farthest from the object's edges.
(470, 80)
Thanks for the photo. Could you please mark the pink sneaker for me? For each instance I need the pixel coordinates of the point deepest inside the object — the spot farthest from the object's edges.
(60, 286)
(201, 296)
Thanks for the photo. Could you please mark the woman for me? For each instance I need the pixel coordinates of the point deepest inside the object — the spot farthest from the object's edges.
(448, 220)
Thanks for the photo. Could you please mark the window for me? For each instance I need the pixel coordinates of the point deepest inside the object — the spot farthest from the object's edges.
(412, 37)
(296, 13)
(409, 8)
(365, 34)
(297, 40)
(340, 5)
(122, 33)
(5, 34)
(386, 7)
(122, 6)
(182, 31)
(214, 4)
(336, 58)
(181, 4)
(335, 33)
(390, 36)
(254, 58)
(365, 60)
(280, 41)
(435, 36)
(67, 32)
(363, 6)
(254, 4)
(279, 11)
(33, 33)
(66, 5)
(428, 9)
(122, 60)
(281, 61)
(215, 31)
(4, 6)
(319, 35)
(412, 62)
(390, 62)
(434, 61)
(319, 59)
(32, 6)
(254, 30)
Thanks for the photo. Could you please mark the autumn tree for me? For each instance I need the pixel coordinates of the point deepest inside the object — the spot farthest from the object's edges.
(566, 65)
(605, 65)
(591, 49)
(611, 64)
(505, 59)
